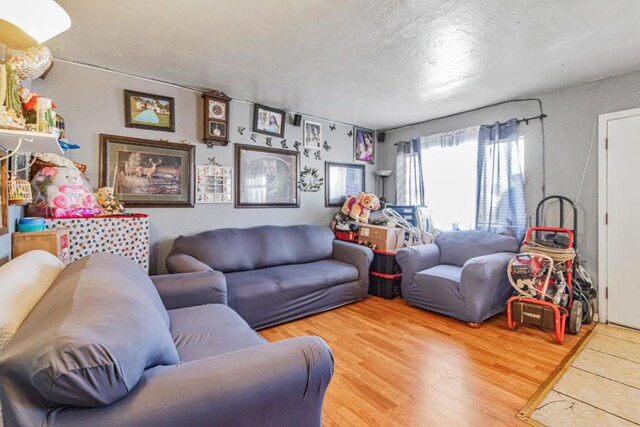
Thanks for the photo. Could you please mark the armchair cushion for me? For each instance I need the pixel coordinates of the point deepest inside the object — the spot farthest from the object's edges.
(458, 247)
(209, 330)
(445, 275)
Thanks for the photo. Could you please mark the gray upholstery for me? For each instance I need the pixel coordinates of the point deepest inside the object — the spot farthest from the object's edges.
(276, 274)
(98, 349)
(209, 330)
(67, 351)
(463, 274)
(239, 249)
(187, 289)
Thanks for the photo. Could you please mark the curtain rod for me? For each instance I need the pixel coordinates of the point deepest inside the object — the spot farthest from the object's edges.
(463, 112)
(526, 120)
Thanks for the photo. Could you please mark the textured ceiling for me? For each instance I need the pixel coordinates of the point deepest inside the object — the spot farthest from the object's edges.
(377, 63)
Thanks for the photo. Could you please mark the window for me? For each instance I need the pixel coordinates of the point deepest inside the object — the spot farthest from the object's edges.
(470, 178)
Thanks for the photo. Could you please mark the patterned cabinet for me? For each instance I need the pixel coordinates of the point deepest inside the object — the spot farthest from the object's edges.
(126, 235)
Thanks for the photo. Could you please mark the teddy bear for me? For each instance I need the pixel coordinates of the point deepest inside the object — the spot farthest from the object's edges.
(67, 189)
(108, 202)
(359, 207)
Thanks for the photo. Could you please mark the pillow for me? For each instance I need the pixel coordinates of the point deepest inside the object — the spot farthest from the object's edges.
(23, 281)
(91, 337)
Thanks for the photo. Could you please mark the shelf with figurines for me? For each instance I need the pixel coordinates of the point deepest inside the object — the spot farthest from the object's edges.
(214, 183)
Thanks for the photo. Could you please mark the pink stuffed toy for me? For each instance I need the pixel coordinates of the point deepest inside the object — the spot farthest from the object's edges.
(360, 206)
(67, 189)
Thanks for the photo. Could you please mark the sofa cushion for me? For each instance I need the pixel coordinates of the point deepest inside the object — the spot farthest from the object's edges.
(91, 336)
(440, 275)
(239, 249)
(208, 330)
(457, 247)
(302, 278)
(23, 281)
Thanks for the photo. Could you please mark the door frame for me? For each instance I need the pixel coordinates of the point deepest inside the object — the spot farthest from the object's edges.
(603, 120)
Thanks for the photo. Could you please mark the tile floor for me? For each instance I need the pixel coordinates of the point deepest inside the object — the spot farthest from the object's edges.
(602, 385)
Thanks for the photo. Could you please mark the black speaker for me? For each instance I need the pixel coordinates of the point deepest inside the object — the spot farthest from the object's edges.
(297, 119)
(381, 136)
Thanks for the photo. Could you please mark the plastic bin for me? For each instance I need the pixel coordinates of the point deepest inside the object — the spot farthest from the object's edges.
(385, 285)
(385, 262)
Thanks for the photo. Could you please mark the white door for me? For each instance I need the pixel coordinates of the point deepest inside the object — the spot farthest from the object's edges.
(623, 229)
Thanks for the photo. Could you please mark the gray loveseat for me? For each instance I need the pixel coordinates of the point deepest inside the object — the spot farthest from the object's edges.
(275, 274)
(108, 346)
(463, 274)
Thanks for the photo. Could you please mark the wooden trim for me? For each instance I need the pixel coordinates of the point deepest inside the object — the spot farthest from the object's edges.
(4, 195)
(529, 408)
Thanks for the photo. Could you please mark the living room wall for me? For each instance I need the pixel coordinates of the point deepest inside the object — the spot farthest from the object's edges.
(568, 129)
(92, 102)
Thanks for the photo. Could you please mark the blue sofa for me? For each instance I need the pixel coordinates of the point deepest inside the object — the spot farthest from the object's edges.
(463, 274)
(109, 346)
(274, 274)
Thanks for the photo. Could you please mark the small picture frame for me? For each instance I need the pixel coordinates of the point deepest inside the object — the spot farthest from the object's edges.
(147, 111)
(312, 137)
(341, 180)
(269, 121)
(364, 145)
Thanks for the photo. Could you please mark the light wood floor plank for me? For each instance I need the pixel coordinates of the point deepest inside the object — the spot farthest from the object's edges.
(397, 365)
(620, 332)
(616, 347)
(620, 370)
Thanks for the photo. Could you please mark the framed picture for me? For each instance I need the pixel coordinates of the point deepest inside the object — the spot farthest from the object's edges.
(269, 121)
(266, 177)
(147, 111)
(364, 145)
(341, 180)
(312, 137)
(4, 198)
(147, 173)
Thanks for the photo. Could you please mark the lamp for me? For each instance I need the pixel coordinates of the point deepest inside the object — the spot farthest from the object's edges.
(384, 174)
(26, 23)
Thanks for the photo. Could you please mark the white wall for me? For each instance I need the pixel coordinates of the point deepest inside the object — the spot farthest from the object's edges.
(92, 102)
(568, 129)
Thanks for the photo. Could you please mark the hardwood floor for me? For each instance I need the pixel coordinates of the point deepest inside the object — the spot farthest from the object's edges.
(397, 365)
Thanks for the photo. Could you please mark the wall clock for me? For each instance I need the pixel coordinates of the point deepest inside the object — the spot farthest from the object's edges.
(216, 118)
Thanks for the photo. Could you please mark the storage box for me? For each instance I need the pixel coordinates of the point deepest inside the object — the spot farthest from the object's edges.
(381, 237)
(407, 212)
(54, 241)
(347, 236)
(385, 262)
(385, 285)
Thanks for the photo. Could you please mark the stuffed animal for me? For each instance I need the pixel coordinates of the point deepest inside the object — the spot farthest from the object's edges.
(67, 189)
(360, 206)
(108, 201)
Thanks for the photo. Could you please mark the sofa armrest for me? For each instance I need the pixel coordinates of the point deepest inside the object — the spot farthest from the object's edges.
(356, 255)
(279, 384)
(183, 263)
(417, 258)
(189, 289)
(485, 285)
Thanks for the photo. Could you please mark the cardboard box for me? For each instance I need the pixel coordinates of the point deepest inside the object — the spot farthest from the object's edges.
(385, 238)
(54, 241)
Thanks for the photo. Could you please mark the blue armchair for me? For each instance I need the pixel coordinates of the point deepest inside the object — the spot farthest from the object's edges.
(463, 274)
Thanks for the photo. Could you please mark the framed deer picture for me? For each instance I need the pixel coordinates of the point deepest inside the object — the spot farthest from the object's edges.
(146, 173)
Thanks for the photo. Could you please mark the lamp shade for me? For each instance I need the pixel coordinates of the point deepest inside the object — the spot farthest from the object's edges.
(384, 173)
(26, 23)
